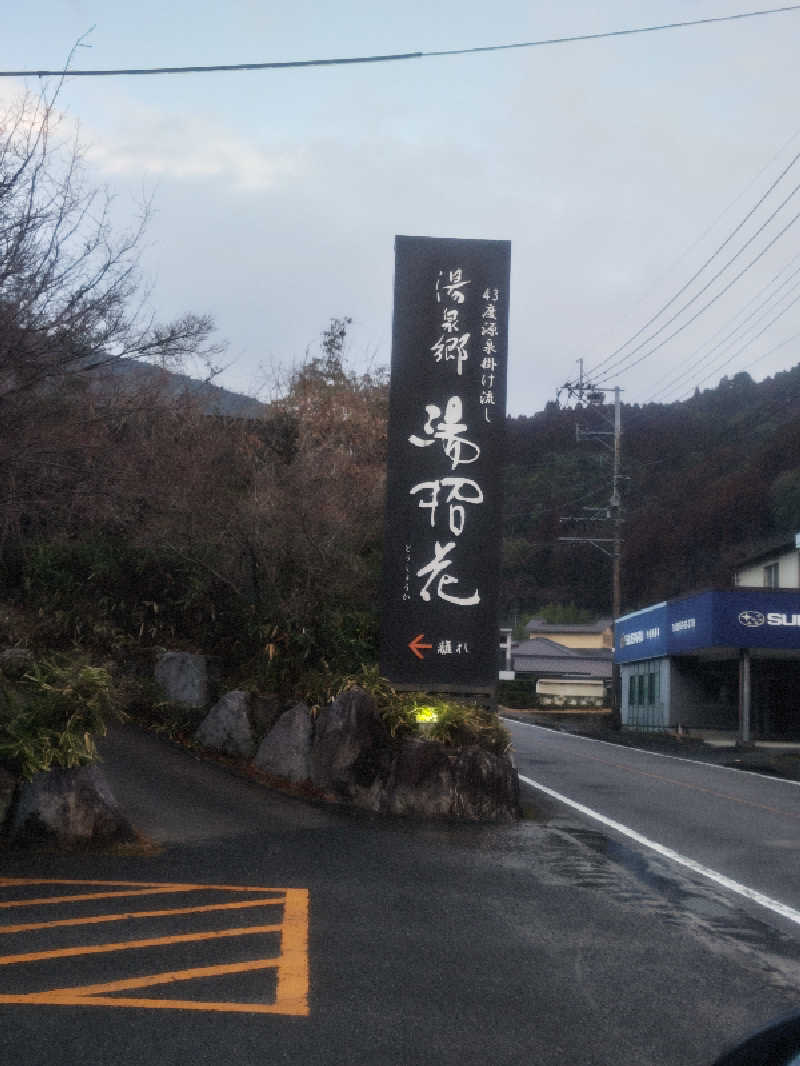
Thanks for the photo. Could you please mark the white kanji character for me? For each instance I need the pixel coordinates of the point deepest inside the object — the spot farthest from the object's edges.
(456, 284)
(450, 320)
(452, 348)
(458, 449)
(435, 569)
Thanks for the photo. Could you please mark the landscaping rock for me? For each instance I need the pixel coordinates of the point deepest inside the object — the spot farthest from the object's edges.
(184, 678)
(421, 780)
(227, 726)
(264, 712)
(67, 808)
(286, 750)
(352, 747)
(485, 787)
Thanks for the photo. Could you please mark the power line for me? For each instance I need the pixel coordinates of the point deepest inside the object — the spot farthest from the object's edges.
(721, 366)
(690, 363)
(698, 272)
(713, 300)
(399, 56)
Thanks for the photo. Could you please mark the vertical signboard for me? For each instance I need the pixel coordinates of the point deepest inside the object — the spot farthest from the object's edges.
(447, 409)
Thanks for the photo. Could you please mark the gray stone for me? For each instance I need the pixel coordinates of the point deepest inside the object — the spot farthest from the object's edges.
(286, 750)
(486, 787)
(68, 808)
(421, 780)
(227, 726)
(352, 747)
(14, 662)
(430, 780)
(183, 678)
(264, 712)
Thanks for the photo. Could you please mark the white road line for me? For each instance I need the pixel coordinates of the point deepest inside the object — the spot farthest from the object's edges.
(657, 754)
(751, 894)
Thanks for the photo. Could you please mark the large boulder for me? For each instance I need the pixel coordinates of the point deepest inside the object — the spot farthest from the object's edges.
(352, 749)
(228, 726)
(485, 787)
(286, 749)
(421, 780)
(184, 678)
(67, 808)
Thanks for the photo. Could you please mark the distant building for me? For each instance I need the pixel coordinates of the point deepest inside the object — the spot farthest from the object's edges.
(563, 676)
(726, 659)
(598, 634)
(776, 567)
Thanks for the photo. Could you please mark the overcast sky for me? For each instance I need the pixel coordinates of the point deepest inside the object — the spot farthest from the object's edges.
(615, 167)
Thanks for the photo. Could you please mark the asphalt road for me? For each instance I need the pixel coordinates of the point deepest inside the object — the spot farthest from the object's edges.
(547, 942)
(744, 826)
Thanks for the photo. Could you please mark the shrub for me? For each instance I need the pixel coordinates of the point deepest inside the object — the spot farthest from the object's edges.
(50, 716)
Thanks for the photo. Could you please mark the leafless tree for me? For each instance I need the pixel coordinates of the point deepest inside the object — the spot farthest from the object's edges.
(71, 294)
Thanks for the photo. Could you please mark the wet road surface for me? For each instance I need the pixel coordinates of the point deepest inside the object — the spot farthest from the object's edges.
(546, 942)
(744, 826)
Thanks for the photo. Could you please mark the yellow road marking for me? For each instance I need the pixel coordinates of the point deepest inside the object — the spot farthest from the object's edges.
(164, 886)
(290, 964)
(97, 919)
(46, 900)
(131, 945)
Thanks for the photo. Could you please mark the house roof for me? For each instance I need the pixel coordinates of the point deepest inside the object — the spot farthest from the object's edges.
(600, 625)
(769, 551)
(546, 658)
(537, 646)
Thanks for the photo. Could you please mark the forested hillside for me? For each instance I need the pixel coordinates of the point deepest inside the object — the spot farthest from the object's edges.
(706, 482)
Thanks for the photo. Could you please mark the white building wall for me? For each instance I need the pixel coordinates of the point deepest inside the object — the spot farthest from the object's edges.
(788, 571)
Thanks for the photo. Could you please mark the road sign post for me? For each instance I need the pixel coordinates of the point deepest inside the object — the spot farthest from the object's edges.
(447, 410)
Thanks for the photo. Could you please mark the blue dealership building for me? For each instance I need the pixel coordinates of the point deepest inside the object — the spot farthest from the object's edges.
(724, 659)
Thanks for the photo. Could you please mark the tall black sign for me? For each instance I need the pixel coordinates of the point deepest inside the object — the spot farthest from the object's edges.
(447, 409)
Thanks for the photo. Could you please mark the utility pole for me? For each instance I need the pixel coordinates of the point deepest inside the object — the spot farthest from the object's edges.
(587, 394)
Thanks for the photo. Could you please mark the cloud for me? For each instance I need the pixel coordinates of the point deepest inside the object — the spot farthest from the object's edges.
(160, 145)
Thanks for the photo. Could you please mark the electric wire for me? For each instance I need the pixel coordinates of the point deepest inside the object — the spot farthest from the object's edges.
(687, 360)
(593, 370)
(687, 366)
(713, 299)
(747, 344)
(620, 364)
(399, 56)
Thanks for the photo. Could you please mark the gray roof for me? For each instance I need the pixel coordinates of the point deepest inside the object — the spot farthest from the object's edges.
(536, 625)
(546, 658)
(770, 549)
(597, 669)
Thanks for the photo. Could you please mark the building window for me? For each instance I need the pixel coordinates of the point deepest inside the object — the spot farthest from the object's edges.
(652, 688)
(771, 580)
(644, 686)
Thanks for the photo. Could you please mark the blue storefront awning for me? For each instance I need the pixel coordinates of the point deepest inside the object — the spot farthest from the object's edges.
(719, 618)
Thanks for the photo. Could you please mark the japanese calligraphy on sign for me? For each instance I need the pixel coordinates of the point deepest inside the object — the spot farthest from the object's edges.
(446, 420)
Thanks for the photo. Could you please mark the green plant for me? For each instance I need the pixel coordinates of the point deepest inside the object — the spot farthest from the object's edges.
(462, 724)
(414, 713)
(51, 716)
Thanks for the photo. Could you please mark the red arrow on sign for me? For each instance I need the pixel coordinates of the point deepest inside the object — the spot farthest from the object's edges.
(416, 646)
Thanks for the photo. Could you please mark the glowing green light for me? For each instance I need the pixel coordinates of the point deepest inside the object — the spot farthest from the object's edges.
(427, 714)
